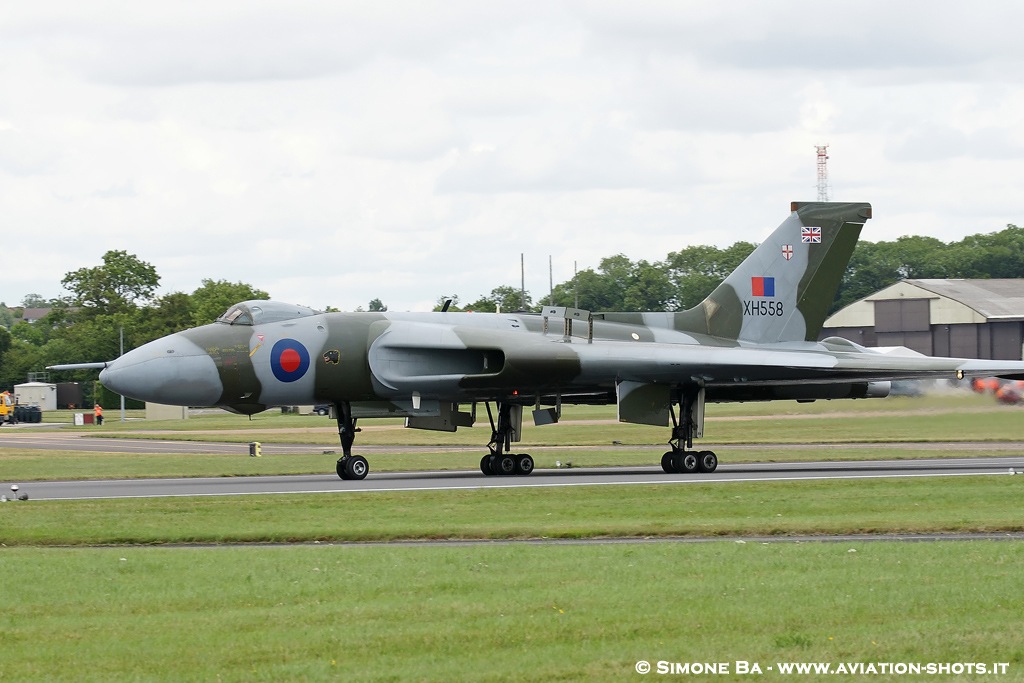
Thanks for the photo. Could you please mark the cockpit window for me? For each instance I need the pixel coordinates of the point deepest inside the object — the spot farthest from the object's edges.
(261, 312)
(236, 315)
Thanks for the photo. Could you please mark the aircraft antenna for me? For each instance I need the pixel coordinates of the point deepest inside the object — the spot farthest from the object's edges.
(823, 189)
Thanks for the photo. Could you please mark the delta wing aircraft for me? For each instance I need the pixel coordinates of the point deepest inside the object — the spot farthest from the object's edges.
(753, 339)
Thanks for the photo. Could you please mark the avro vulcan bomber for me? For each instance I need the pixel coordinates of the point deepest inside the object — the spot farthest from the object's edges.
(755, 338)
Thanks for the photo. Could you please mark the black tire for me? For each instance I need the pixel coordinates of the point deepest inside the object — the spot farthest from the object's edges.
(707, 461)
(687, 462)
(321, 411)
(505, 465)
(357, 468)
(485, 465)
(524, 464)
(342, 472)
(668, 464)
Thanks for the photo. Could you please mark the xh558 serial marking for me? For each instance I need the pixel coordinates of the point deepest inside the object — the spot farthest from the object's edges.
(753, 339)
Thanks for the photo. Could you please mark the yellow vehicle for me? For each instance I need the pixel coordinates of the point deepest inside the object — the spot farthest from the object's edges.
(6, 407)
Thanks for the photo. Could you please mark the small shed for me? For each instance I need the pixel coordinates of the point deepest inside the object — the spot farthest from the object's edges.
(39, 394)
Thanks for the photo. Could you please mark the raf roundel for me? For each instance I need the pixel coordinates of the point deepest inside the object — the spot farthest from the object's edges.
(289, 360)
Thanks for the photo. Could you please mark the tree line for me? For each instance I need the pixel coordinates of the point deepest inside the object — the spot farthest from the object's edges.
(684, 278)
(119, 294)
(85, 325)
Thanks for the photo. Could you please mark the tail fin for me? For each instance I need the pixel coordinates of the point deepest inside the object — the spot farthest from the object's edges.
(783, 290)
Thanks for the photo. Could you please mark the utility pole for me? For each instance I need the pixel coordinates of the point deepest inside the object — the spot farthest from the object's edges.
(551, 282)
(575, 287)
(522, 281)
(123, 419)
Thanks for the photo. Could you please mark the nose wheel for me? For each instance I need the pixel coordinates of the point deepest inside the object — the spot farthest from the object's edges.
(349, 466)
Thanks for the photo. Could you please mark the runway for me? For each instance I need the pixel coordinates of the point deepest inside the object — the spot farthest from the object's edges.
(547, 478)
(48, 439)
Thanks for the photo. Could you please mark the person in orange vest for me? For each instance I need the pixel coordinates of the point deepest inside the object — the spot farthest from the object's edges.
(98, 412)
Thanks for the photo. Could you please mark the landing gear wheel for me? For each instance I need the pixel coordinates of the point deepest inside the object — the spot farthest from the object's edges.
(687, 462)
(505, 465)
(485, 465)
(524, 464)
(356, 468)
(349, 466)
(707, 461)
(668, 464)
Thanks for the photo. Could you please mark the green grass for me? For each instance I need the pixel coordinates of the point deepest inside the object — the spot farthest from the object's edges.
(975, 503)
(503, 613)
(999, 424)
(495, 612)
(25, 465)
(957, 416)
(730, 430)
(942, 401)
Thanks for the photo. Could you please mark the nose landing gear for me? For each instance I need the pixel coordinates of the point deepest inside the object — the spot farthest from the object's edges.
(349, 466)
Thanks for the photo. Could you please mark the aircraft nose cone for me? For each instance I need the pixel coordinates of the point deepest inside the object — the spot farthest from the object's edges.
(172, 370)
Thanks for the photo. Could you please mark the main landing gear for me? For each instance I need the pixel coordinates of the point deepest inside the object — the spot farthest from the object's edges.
(499, 461)
(679, 460)
(349, 466)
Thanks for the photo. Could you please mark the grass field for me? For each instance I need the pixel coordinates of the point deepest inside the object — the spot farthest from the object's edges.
(76, 610)
(24, 465)
(976, 503)
(947, 416)
(588, 436)
(504, 613)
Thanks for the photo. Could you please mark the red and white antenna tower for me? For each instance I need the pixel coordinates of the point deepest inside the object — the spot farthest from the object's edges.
(822, 172)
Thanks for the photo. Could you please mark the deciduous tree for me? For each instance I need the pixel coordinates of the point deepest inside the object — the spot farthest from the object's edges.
(120, 284)
(214, 297)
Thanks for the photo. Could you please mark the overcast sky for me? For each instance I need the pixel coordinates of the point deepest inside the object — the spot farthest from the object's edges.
(332, 152)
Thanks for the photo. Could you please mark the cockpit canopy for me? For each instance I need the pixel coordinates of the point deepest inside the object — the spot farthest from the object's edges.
(262, 312)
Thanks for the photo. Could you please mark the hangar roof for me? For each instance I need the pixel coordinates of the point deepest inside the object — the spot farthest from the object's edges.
(994, 299)
(952, 301)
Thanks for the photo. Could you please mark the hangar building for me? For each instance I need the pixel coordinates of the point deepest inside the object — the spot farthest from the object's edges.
(958, 318)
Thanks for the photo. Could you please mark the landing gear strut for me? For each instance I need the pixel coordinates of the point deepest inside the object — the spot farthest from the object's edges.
(499, 461)
(689, 426)
(349, 466)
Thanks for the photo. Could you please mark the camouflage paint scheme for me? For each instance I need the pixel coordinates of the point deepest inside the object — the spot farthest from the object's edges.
(753, 338)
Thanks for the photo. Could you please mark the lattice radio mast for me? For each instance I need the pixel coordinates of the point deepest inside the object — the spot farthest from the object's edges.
(822, 173)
